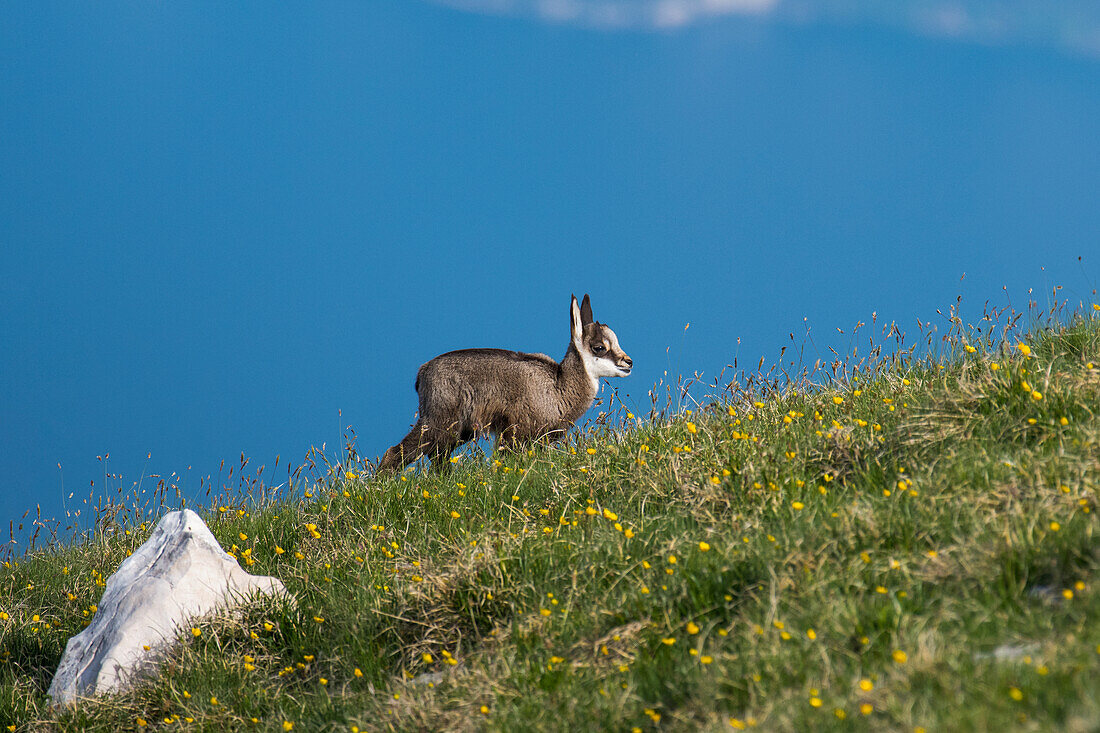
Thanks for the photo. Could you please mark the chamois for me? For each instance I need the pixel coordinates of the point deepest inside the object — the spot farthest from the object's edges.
(515, 396)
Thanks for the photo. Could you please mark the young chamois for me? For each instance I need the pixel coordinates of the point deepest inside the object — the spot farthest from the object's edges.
(515, 396)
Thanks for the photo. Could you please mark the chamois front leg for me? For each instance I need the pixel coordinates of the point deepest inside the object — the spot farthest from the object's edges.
(517, 440)
(508, 441)
(556, 436)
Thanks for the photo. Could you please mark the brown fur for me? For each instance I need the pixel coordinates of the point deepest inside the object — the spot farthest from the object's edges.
(516, 396)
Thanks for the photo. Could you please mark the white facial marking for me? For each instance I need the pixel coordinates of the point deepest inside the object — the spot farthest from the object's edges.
(599, 366)
(591, 367)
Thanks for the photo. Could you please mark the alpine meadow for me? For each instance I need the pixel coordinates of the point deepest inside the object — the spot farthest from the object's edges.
(904, 539)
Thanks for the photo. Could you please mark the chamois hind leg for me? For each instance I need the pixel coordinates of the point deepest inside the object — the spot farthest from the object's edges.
(443, 443)
(409, 450)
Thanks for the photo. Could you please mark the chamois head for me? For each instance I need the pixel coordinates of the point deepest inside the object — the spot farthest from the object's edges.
(597, 344)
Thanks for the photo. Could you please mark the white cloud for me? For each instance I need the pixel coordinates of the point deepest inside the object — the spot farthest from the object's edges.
(1071, 25)
(613, 14)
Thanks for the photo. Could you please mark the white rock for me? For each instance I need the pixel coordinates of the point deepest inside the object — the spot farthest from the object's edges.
(1009, 652)
(179, 573)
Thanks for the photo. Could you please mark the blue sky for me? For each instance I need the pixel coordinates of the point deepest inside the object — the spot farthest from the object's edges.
(240, 228)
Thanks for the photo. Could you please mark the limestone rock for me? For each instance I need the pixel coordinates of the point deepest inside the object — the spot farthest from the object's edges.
(179, 573)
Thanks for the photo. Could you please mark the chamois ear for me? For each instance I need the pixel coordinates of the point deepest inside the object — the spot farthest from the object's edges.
(586, 311)
(575, 322)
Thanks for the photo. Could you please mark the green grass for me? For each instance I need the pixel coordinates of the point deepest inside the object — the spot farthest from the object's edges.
(914, 550)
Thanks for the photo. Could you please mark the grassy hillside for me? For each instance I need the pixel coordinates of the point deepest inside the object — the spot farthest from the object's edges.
(915, 549)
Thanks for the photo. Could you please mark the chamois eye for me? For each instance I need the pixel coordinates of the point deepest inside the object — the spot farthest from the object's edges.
(598, 349)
